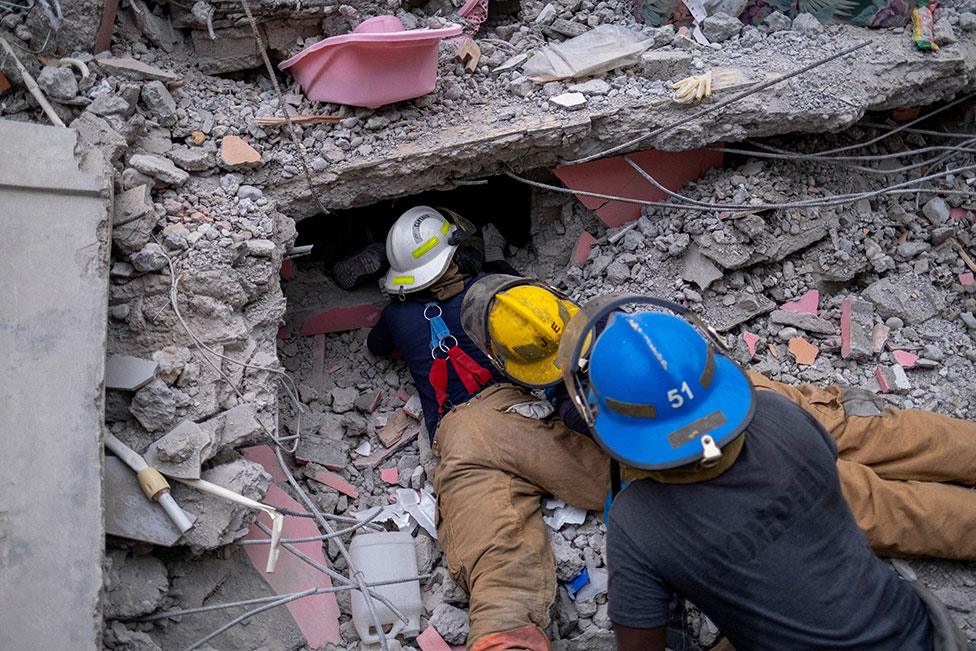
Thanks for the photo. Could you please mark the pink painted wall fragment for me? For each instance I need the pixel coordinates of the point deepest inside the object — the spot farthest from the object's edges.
(845, 328)
(431, 640)
(336, 481)
(340, 319)
(967, 279)
(809, 303)
(583, 247)
(317, 616)
(390, 475)
(904, 358)
(615, 176)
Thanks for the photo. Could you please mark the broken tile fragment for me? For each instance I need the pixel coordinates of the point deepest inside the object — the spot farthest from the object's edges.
(967, 279)
(128, 373)
(431, 640)
(390, 475)
(581, 251)
(751, 341)
(333, 480)
(569, 101)
(378, 456)
(904, 358)
(236, 153)
(879, 335)
(803, 351)
(809, 303)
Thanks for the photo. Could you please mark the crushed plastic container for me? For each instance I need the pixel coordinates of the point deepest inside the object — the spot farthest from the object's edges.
(378, 63)
(386, 556)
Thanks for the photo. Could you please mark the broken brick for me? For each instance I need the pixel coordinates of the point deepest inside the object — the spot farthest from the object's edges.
(431, 640)
(803, 351)
(581, 251)
(904, 358)
(751, 341)
(340, 319)
(333, 480)
(390, 475)
(967, 279)
(809, 303)
(395, 425)
(236, 153)
(378, 456)
(958, 214)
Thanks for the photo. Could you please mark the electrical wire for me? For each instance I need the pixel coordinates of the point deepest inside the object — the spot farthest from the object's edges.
(262, 600)
(251, 613)
(702, 112)
(339, 532)
(304, 498)
(888, 134)
(283, 377)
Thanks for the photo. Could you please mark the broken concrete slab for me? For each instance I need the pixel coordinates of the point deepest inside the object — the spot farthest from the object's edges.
(130, 68)
(128, 373)
(892, 379)
(856, 320)
(129, 514)
(55, 198)
(321, 450)
(907, 296)
(744, 307)
(135, 586)
(220, 521)
(222, 578)
(159, 168)
(807, 322)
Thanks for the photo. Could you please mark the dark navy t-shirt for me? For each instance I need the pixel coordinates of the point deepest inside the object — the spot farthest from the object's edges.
(402, 327)
(768, 550)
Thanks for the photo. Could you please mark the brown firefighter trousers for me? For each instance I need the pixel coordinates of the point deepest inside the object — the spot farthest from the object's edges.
(894, 467)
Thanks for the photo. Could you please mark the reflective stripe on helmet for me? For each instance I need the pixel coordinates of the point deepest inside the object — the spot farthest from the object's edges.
(425, 247)
(402, 280)
(445, 227)
(631, 409)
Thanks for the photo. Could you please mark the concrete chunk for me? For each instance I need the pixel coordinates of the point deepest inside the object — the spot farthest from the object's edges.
(856, 321)
(807, 322)
(180, 452)
(667, 65)
(134, 219)
(159, 168)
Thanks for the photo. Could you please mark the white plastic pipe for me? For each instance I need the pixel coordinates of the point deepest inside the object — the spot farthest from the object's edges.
(135, 461)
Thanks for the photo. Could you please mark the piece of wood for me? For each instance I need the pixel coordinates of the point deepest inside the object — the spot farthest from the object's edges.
(103, 39)
(380, 455)
(393, 430)
(469, 54)
(298, 119)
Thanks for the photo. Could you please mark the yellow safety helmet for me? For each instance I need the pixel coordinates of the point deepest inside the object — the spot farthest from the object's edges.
(517, 323)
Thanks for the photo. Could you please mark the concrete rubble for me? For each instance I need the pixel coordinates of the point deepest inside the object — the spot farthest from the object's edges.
(202, 189)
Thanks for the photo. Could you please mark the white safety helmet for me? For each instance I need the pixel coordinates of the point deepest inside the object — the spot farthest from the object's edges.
(420, 246)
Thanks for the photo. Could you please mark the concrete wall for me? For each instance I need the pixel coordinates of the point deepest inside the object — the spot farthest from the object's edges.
(54, 255)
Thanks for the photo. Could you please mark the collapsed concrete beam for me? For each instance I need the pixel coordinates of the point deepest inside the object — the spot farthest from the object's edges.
(890, 73)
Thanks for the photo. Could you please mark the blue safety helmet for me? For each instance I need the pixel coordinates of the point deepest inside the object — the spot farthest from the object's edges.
(660, 395)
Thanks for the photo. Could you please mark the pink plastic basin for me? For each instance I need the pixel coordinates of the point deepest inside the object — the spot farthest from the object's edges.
(377, 63)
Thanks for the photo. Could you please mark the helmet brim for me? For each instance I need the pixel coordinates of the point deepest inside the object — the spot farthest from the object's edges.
(659, 444)
(421, 277)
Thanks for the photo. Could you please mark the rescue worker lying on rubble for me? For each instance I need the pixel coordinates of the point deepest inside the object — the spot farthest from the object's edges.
(732, 499)
(496, 462)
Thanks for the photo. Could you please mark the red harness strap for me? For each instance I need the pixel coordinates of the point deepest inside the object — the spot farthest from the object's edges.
(438, 380)
(473, 375)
